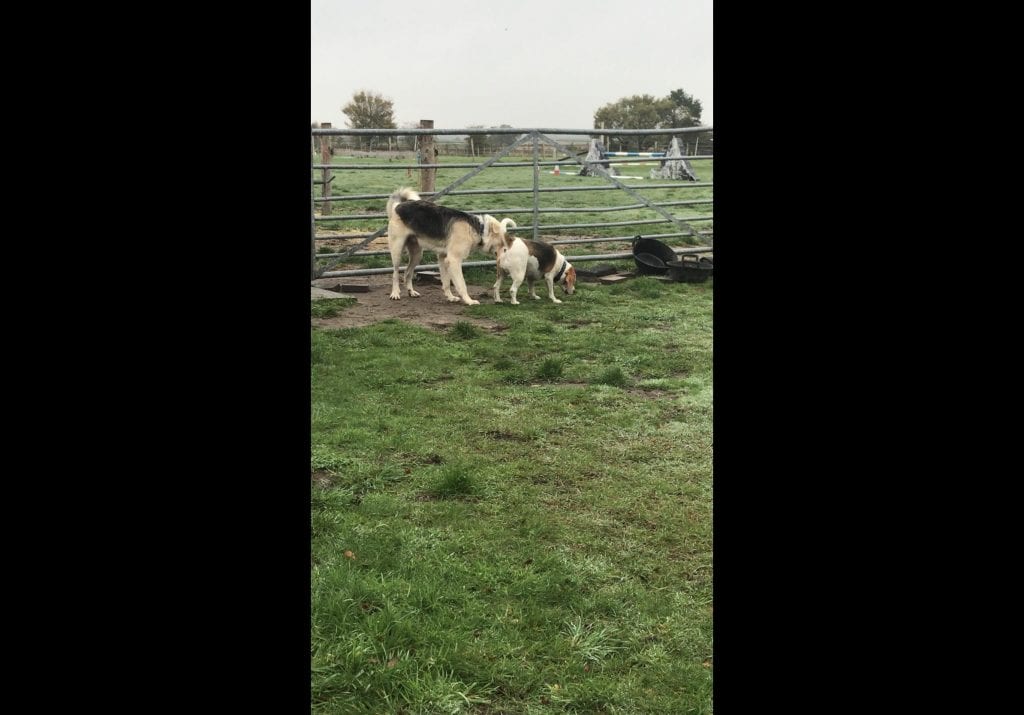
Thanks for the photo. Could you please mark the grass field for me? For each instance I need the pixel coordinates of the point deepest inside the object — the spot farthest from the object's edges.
(518, 520)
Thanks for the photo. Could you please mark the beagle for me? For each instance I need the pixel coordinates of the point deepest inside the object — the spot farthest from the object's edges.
(531, 260)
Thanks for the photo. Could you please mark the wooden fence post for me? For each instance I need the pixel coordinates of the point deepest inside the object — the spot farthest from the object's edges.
(428, 155)
(312, 214)
(325, 158)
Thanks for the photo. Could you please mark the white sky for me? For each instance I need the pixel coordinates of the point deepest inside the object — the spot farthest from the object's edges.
(526, 63)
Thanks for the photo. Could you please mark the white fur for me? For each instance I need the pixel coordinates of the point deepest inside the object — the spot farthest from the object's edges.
(516, 261)
(451, 249)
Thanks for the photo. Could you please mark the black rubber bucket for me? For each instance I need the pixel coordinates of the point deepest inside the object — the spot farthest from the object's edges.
(651, 256)
(648, 264)
(692, 271)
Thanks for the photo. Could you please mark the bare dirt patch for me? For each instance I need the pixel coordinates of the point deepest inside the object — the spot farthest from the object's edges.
(430, 310)
(338, 241)
(649, 392)
(323, 479)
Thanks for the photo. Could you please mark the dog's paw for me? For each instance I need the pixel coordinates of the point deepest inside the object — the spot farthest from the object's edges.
(497, 300)
(414, 293)
(395, 296)
(452, 298)
(535, 297)
(472, 302)
(557, 300)
(515, 302)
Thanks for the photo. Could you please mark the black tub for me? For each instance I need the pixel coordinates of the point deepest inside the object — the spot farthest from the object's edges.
(651, 256)
(690, 271)
(649, 264)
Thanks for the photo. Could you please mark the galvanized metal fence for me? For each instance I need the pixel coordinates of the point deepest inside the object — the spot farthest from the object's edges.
(699, 241)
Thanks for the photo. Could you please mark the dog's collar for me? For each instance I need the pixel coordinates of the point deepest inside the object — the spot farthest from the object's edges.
(560, 270)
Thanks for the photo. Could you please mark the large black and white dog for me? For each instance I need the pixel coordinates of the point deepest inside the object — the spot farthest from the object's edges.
(415, 224)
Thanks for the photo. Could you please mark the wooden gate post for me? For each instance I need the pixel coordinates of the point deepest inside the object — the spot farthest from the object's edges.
(325, 158)
(312, 213)
(427, 156)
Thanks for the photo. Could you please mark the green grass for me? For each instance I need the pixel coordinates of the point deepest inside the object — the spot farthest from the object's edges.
(329, 307)
(464, 330)
(612, 376)
(454, 481)
(516, 521)
(550, 370)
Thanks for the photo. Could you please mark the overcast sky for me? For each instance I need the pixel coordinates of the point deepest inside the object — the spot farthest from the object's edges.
(526, 63)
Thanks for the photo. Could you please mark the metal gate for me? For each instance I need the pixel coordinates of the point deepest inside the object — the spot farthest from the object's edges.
(697, 241)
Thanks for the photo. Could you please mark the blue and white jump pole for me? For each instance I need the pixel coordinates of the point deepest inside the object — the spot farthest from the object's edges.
(635, 153)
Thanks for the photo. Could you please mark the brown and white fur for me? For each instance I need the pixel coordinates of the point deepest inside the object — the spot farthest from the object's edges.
(531, 260)
(414, 224)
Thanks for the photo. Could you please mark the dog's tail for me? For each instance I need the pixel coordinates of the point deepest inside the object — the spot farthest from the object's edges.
(505, 224)
(404, 194)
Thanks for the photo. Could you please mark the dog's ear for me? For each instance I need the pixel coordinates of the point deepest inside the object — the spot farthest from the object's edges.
(491, 236)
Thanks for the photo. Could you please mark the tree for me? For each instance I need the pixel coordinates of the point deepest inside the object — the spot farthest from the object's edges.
(483, 143)
(476, 143)
(686, 112)
(500, 141)
(642, 111)
(369, 110)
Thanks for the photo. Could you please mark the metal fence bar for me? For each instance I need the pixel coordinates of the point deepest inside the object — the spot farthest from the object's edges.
(545, 227)
(481, 212)
(554, 242)
(555, 189)
(570, 241)
(611, 224)
(341, 131)
(486, 264)
(500, 165)
(647, 160)
(556, 226)
(596, 209)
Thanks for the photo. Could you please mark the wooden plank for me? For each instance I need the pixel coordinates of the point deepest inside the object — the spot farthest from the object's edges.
(348, 288)
(617, 278)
